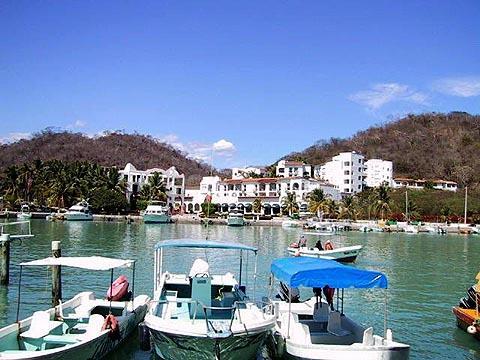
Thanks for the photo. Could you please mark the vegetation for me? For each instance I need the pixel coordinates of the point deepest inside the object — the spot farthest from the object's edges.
(426, 146)
(290, 205)
(60, 184)
(109, 150)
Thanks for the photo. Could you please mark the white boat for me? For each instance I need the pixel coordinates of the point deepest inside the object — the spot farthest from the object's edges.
(290, 223)
(79, 212)
(24, 213)
(315, 329)
(235, 219)
(370, 228)
(74, 329)
(157, 212)
(411, 229)
(343, 254)
(204, 316)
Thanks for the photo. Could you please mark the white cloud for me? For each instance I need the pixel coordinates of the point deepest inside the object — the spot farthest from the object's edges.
(78, 124)
(14, 137)
(199, 150)
(223, 146)
(467, 86)
(381, 94)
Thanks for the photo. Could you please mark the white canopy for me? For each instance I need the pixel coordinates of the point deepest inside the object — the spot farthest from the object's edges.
(86, 262)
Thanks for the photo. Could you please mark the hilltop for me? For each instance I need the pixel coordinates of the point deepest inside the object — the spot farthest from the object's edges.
(430, 146)
(112, 149)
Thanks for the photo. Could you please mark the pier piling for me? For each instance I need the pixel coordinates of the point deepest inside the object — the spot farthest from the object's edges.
(56, 275)
(4, 259)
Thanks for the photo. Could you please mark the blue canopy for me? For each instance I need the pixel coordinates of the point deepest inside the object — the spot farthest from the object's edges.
(203, 244)
(313, 272)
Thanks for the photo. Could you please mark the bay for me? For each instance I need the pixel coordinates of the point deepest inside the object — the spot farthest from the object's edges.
(427, 274)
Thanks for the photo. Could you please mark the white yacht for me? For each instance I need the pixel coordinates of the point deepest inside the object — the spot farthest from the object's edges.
(235, 218)
(205, 316)
(24, 213)
(79, 212)
(316, 328)
(157, 212)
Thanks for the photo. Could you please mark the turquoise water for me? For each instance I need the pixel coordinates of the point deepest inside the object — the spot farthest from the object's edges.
(427, 274)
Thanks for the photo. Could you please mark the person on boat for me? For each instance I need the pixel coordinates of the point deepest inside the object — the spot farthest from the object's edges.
(302, 242)
(319, 246)
(285, 294)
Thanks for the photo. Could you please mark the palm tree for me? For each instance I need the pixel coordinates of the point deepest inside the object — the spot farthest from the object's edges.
(158, 189)
(257, 206)
(316, 202)
(348, 208)
(290, 204)
(331, 208)
(382, 200)
(11, 182)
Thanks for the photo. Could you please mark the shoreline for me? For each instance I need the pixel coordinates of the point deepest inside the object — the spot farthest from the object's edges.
(359, 225)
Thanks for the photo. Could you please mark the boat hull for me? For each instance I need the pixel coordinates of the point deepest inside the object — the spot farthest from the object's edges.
(346, 254)
(156, 219)
(235, 222)
(465, 318)
(78, 217)
(24, 216)
(237, 347)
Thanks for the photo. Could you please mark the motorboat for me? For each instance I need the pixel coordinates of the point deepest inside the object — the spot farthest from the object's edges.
(370, 228)
(319, 329)
(157, 212)
(410, 229)
(24, 213)
(467, 311)
(200, 315)
(326, 251)
(290, 223)
(79, 212)
(235, 219)
(83, 327)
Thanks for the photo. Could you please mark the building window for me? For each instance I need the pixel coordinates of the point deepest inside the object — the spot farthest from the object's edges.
(346, 163)
(295, 186)
(359, 169)
(359, 161)
(281, 170)
(346, 181)
(359, 178)
(346, 190)
(346, 172)
(359, 187)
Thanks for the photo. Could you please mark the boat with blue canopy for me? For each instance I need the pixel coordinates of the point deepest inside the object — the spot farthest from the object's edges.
(319, 329)
(204, 315)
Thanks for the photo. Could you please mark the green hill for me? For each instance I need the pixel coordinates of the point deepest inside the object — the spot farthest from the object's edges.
(430, 146)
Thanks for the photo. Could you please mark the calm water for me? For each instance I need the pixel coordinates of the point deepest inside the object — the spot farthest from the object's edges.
(427, 274)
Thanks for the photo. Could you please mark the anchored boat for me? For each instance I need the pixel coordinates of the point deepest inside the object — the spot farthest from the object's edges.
(235, 219)
(24, 213)
(157, 212)
(200, 315)
(467, 311)
(79, 212)
(345, 254)
(316, 329)
(81, 328)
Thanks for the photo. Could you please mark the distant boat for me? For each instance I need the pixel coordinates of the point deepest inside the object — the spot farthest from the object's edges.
(411, 229)
(24, 213)
(235, 219)
(78, 328)
(157, 212)
(79, 212)
(290, 223)
(343, 254)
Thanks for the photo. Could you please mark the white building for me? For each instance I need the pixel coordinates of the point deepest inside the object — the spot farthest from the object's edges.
(420, 184)
(245, 172)
(346, 172)
(287, 169)
(378, 172)
(174, 182)
(241, 193)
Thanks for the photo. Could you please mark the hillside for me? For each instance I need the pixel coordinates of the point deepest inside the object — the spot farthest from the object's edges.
(430, 146)
(114, 149)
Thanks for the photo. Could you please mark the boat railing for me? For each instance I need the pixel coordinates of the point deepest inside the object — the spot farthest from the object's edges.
(17, 236)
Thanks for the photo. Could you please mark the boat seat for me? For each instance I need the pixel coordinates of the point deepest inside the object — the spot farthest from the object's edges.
(368, 339)
(334, 326)
(201, 292)
(320, 312)
(40, 325)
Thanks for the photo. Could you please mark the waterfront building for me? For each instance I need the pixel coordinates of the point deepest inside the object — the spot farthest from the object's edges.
(378, 172)
(239, 194)
(245, 172)
(419, 184)
(174, 183)
(346, 172)
(288, 169)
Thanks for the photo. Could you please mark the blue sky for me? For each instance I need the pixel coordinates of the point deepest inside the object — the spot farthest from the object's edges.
(252, 80)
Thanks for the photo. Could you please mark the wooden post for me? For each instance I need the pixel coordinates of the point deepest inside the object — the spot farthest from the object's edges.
(4, 259)
(56, 275)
